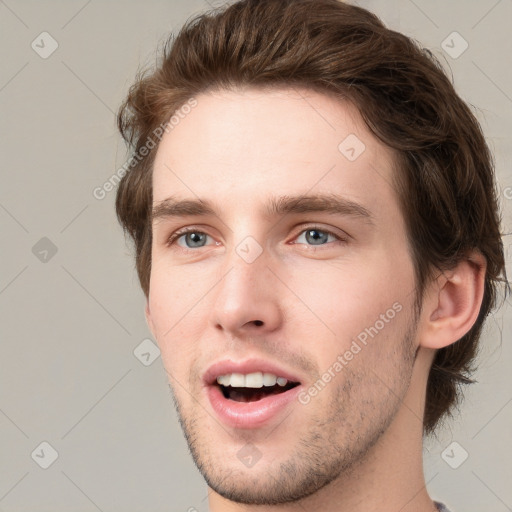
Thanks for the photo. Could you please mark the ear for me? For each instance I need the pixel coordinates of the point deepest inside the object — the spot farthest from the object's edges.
(452, 303)
(149, 320)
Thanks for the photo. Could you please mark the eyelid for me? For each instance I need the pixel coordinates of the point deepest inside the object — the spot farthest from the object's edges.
(342, 237)
(173, 237)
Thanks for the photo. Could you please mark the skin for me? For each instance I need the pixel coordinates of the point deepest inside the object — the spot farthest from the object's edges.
(357, 444)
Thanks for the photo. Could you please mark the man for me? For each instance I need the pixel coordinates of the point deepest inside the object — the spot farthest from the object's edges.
(317, 236)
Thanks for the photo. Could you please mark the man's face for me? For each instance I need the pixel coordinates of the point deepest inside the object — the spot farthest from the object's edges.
(266, 284)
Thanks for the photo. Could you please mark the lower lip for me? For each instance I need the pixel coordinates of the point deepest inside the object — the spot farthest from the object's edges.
(250, 414)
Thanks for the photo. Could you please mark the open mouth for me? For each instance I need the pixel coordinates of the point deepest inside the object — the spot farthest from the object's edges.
(245, 394)
(252, 387)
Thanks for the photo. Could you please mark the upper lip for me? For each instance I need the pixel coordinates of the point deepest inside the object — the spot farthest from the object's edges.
(247, 366)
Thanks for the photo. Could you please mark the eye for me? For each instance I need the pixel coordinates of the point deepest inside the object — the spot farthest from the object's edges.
(189, 239)
(317, 236)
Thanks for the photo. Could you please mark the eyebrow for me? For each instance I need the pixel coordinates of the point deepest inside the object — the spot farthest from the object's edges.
(276, 206)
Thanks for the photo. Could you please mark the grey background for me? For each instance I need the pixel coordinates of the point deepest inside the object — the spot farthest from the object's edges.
(70, 321)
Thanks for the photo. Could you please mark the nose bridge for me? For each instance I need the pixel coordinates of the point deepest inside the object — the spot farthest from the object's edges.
(245, 296)
(245, 271)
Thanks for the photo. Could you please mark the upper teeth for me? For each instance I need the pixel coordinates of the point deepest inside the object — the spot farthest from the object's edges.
(251, 380)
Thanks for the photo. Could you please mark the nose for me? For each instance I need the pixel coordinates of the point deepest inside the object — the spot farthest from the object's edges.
(247, 298)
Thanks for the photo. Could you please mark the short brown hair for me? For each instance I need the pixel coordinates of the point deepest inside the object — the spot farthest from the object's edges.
(445, 183)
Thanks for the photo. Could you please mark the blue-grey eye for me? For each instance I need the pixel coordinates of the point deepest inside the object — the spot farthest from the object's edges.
(193, 239)
(315, 237)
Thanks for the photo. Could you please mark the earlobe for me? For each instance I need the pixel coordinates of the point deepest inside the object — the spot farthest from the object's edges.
(453, 303)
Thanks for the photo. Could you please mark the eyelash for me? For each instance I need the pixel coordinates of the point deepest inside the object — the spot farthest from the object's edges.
(178, 234)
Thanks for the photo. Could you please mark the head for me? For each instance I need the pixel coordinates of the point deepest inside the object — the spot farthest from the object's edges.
(280, 108)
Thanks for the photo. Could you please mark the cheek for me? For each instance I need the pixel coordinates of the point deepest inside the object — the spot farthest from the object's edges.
(345, 302)
(175, 305)
(349, 294)
(172, 295)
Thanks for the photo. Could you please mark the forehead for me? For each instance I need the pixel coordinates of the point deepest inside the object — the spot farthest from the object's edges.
(256, 142)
